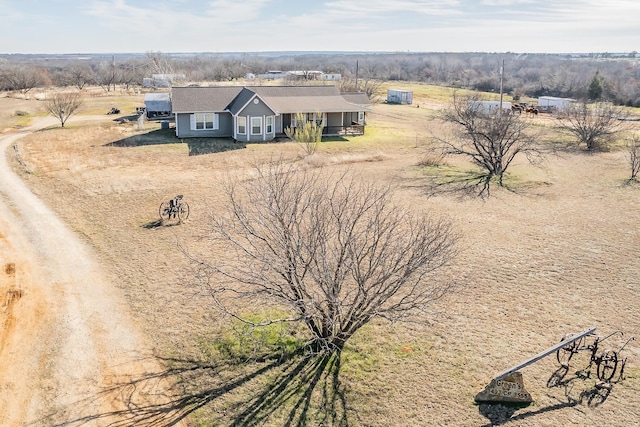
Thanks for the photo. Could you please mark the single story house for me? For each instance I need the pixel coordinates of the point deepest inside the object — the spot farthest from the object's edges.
(158, 105)
(262, 113)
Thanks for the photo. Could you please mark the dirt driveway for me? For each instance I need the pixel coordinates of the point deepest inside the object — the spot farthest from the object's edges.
(69, 350)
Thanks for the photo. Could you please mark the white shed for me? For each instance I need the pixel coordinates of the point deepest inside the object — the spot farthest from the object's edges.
(489, 107)
(553, 103)
(396, 96)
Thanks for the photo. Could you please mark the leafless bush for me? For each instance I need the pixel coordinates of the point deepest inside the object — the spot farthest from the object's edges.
(633, 150)
(594, 125)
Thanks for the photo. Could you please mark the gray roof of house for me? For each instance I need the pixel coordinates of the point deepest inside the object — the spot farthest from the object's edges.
(241, 100)
(359, 98)
(203, 99)
(305, 99)
(282, 99)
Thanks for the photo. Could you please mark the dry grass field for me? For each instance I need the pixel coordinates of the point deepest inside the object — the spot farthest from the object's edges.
(555, 253)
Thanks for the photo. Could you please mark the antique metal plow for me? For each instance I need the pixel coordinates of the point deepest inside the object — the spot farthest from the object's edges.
(507, 386)
(607, 361)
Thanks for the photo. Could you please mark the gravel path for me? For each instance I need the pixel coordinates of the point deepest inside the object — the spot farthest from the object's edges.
(69, 349)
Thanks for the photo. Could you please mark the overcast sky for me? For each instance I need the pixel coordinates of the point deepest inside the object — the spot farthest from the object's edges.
(128, 26)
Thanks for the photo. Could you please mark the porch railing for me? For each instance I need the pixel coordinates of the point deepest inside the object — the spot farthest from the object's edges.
(344, 130)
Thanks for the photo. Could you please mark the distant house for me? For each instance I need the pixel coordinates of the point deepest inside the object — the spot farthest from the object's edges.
(553, 104)
(396, 96)
(158, 105)
(272, 75)
(295, 75)
(262, 113)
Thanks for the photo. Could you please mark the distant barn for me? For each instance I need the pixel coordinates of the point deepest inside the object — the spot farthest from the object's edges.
(396, 96)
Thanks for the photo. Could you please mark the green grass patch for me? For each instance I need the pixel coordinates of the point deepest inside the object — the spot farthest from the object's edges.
(245, 341)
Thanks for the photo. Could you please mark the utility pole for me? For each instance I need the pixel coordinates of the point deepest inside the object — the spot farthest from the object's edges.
(357, 89)
(501, 85)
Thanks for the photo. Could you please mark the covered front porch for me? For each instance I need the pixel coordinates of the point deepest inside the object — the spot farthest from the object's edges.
(334, 124)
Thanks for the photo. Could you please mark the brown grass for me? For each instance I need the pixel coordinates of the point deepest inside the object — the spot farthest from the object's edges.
(555, 255)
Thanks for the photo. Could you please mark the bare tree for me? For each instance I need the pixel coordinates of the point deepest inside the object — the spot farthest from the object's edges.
(333, 253)
(373, 88)
(21, 78)
(106, 75)
(79, 75)
(491, 139)
(307, 133)
(62, 105)
(633, 150)
(131, 73)
(595, 125)
(159, 63)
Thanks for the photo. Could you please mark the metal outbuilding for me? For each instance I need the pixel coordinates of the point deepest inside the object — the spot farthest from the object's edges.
(396, 96)
(158, 105)
(553, 103)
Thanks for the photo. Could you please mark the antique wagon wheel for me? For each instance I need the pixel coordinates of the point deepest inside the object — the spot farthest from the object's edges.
(565, 353)
(164, 211)
(183, 211)
(607, 365)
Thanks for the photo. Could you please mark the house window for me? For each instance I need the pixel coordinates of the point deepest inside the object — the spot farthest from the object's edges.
(242, 125)
(204, 121)
(268, 123)
(256, 125)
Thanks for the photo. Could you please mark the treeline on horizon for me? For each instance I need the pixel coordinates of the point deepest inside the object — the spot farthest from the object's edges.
(532, 75)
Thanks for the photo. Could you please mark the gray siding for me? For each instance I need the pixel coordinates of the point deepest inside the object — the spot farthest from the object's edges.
(257, 110)
(183, 127)
(334, 119)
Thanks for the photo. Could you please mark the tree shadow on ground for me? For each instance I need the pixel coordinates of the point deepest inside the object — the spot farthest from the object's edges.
(463, 183)
(154, 137)
(300, 390)
(292, 394)
(200, 146)
(471, 184)
(576, 393)
(197, 146)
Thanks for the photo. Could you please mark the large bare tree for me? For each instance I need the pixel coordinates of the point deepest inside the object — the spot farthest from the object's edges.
(63, 105)
(491, 139)
(331, 252)
(594, 125)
